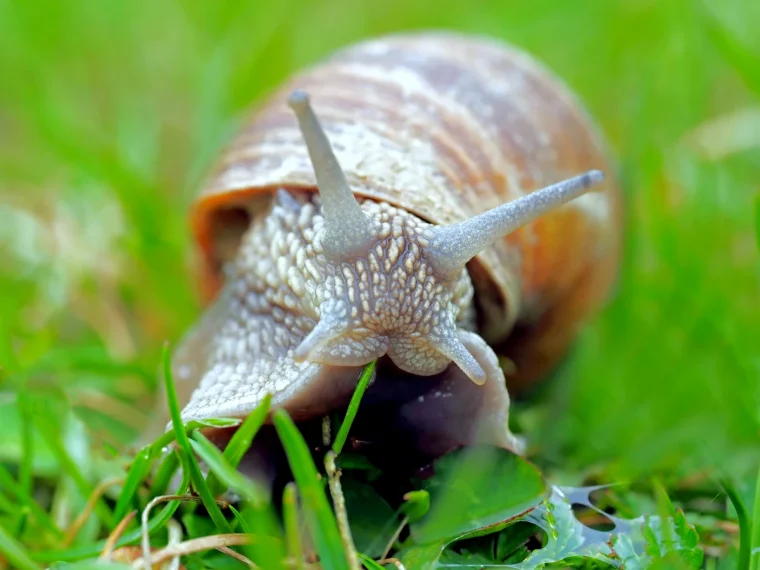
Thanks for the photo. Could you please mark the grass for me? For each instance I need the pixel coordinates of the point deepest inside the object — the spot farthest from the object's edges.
(112, 113)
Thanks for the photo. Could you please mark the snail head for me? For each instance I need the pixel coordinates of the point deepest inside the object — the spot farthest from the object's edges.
(396, 285)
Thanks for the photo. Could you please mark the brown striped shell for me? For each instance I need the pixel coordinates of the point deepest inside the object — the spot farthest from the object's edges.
(445, 127)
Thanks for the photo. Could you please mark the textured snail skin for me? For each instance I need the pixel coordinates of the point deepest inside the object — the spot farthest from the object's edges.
(431, 128)
(281, 285)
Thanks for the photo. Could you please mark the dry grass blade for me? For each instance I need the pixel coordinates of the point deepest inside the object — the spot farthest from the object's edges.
(395, 536)
(115, 535)
(82, 517)
(146, 514)
(326, 431)
(175, 537)
(726, 135)
(193, 545)
(341, 514)
(236, 555)
(395, 561)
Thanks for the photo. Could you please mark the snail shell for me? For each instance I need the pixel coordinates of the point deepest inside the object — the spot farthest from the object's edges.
(426, 244)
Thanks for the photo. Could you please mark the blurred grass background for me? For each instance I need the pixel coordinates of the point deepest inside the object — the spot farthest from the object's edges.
(112, 112)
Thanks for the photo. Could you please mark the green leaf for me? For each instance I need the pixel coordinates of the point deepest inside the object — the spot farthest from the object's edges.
(372, 519)
(665, 536)
(478, 490)
(424, 557)
(633, 543)
(353, 406)
(188, 458)
(319, 518)
(566, 536)
(660, 551)
(416, 505)
(474, 491)
(241, 441)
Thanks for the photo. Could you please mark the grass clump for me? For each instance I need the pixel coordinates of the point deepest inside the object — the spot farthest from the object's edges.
(111, 115)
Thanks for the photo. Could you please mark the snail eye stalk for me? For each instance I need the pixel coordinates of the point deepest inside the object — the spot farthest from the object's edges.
(451, 247)
(347, 230)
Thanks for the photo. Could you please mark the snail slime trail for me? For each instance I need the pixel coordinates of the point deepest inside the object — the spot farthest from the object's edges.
(432, 201)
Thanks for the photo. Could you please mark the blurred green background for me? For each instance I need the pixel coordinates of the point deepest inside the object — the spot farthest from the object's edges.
(112, 112)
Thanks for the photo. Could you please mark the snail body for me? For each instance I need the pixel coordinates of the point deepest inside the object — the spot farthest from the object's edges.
(401, 219)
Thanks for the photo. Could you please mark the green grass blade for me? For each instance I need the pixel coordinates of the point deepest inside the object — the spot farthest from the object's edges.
(353, 407)
(240, 520)
(319, 518)
(754, 548)
(23, 519)
(15, 553)
(27, 442)
(52, 437)
(290, 519)
(25, 500)
(135, 476)
(241, 442)
(368, 563)
(188, 460)
(744, 524)
(7, 505)
(164, 474)
(225, 472)
(268, 551)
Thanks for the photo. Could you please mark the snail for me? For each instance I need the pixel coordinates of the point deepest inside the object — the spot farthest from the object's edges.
(440, 203)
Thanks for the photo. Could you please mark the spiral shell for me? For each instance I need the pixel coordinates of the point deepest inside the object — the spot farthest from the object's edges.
(445, 127)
